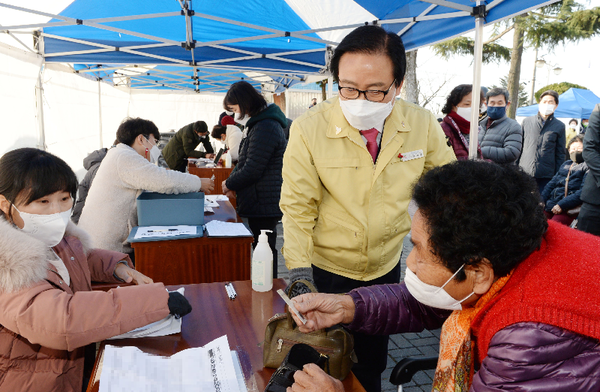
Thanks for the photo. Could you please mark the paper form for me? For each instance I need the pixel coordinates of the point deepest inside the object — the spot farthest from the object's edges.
(203, 369)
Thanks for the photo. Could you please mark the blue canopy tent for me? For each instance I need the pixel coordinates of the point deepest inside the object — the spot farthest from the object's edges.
(573, 103)
(205, 45)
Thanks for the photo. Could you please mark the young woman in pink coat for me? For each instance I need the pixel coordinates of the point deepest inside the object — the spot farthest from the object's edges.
(49, 312)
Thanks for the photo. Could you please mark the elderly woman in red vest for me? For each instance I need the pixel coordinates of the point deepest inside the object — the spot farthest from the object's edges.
(516, 300)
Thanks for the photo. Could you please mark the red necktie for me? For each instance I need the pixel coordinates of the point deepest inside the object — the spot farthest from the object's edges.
(371, 136)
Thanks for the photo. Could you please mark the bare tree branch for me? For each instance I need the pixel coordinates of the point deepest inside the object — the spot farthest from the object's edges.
(497, 37)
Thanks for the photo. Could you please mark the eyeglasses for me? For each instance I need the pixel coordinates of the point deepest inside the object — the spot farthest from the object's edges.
(152, 144)
(370, 95)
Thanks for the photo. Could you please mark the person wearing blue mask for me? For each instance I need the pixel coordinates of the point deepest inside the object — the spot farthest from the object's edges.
(500, 137)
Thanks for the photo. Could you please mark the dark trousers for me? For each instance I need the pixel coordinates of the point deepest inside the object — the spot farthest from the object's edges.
(258, 224)
(371, 350)
(588, 219)
(182, 166)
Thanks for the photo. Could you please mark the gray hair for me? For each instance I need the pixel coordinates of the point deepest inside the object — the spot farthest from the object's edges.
(497, 91)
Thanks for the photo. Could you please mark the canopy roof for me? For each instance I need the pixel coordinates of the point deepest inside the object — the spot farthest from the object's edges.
(573, 103)
(206, 45)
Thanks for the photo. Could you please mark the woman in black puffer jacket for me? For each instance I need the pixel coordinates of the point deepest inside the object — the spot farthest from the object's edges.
(257, 176)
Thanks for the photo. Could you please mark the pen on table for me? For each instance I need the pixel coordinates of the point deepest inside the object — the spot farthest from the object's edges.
(213, 177)
(230, 291)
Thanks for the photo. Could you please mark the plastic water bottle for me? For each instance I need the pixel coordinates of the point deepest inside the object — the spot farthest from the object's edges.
(262, 264)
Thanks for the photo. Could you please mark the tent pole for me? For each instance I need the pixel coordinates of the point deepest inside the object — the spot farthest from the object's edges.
(39, 96)
(329, 87)
(475, 100)
(100, 111)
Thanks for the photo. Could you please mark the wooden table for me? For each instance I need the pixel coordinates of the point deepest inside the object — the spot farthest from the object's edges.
(197, 260)
(243, 320)
(220, 173)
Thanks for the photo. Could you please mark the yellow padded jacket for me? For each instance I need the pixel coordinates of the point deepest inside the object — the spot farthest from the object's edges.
(342, 212)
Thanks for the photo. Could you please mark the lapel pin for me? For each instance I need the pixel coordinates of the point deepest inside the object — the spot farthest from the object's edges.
(338, 130)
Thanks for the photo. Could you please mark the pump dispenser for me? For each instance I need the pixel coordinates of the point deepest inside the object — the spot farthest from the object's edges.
(262, 264)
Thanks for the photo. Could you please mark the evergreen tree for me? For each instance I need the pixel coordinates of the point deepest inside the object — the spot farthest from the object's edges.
(522, 99)
(565, 21)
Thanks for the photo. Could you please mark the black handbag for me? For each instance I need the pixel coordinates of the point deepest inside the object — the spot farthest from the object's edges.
(299, 355)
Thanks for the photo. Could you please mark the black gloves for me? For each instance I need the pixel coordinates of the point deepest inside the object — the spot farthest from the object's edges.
(178, 305)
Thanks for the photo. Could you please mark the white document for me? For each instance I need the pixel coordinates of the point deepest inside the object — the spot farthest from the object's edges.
(164, 231)
(203, 369)
(226, 229)
(216, 198)
(167, 326)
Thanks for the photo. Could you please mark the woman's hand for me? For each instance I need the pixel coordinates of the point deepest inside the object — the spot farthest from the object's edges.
(313, 378)
(208, 185)
(224, 187)
(323, 310)
(556, 209)
(130, 275)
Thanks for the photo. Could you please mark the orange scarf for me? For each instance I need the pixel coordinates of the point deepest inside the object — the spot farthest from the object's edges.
(455, 366)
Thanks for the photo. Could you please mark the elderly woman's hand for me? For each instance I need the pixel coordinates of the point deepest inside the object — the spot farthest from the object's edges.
(323, 310)
(556, 209)
(224, 187)
(208, 185)
(313, 378)
(129, 275)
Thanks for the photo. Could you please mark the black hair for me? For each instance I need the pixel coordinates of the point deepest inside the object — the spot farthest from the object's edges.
(476, 209)
(574, 139)
(573, 119)
(497, 91)
(200, 127)
(552, 93)
(130, 128)
(27, 174)
(372, 40)
(217, 131)
(456, 95)
(243, 94)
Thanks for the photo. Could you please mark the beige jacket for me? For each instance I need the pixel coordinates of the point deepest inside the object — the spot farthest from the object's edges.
(342, 212)
(45, 323)
(110, 211)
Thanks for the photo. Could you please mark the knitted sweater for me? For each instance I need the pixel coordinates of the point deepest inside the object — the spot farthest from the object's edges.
(556, 285)
(110, 211)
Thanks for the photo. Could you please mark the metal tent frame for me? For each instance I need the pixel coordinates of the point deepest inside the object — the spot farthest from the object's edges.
(206, 49)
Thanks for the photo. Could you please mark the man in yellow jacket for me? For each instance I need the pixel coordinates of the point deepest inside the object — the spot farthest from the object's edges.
(347, 175)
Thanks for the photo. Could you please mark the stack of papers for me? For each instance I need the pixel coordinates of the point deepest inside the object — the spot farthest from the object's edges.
(167, 326)
(205, 369)
(226, 229)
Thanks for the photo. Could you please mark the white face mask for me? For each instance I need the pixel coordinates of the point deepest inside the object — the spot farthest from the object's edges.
(430, 295)
(50, 229)
(546, 109)
(363, 114)
(154, 152)
(464, 113)
(241, 120)
(228, 113)
(572, 126)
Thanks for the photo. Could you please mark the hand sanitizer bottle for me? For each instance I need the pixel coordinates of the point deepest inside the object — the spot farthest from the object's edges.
(262, 264)
(227, 160)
